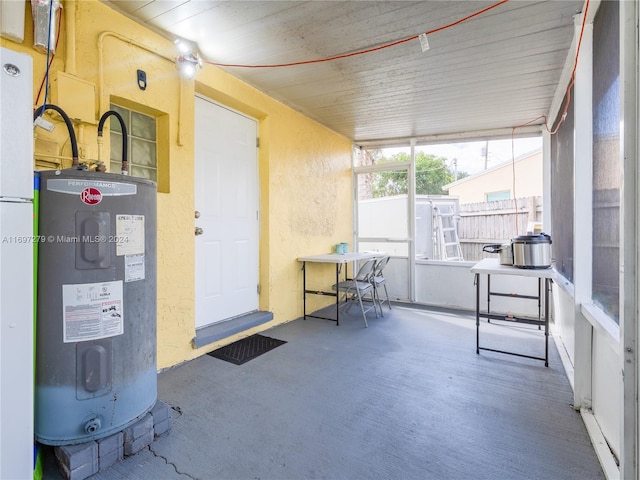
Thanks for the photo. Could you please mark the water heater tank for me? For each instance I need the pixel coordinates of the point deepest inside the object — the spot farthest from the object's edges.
(96, 310)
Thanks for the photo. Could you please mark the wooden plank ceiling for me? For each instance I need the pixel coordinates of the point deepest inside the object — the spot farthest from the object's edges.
(496, 70)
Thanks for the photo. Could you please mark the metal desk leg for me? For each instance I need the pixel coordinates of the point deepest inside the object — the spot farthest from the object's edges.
(477, 281)
(547, 285)
(488, 296)
(337, 295)
(304, 291)
(540, 297)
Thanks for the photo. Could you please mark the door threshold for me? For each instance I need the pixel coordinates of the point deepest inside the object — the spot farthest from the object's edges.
(231, 326)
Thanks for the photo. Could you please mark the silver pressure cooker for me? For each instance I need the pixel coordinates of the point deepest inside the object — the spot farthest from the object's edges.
(503, 249)
(531, 251)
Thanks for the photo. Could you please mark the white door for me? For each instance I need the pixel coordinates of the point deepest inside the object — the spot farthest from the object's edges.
(226, 204)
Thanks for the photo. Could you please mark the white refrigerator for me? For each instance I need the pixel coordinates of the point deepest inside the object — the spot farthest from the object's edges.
(16, 265)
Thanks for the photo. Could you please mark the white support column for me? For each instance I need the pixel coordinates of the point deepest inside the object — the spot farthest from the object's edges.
(582, 248)
(630, 220)
(412, 222)
(547, 213)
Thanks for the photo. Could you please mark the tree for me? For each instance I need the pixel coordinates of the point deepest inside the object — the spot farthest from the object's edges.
(431, 174)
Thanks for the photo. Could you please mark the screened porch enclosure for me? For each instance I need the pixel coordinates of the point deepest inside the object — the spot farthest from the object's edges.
(432, 239)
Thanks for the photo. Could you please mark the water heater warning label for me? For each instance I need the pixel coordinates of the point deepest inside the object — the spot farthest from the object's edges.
(133, 268)
(92, 311)
(130, 234)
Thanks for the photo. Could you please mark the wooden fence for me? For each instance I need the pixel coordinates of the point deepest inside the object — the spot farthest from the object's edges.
(495, 222)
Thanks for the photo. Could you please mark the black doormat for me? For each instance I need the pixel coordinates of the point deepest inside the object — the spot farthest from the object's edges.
(246, 349)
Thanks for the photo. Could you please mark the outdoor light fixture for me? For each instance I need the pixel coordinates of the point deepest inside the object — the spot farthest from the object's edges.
(187, 61)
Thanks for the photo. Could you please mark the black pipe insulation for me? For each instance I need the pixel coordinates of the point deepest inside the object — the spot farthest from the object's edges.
(67, 121)
(103, 118)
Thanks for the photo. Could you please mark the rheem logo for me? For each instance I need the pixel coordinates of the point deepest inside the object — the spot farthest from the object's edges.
(91, 196)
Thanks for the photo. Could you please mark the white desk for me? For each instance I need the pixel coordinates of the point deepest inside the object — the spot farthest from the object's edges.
(491, 266)
(338, 259)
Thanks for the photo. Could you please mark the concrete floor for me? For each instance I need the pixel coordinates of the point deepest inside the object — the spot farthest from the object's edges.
(406, 398)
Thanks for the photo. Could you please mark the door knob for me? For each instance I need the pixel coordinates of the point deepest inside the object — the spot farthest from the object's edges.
(199, 231)
(197, 214)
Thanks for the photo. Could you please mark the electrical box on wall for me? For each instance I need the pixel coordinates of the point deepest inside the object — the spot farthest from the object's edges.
(75, 96)
(12, 20)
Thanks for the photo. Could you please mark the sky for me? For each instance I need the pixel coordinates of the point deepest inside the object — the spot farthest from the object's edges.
(470, 156)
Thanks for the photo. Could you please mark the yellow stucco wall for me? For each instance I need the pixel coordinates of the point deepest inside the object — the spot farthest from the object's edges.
(305, 169)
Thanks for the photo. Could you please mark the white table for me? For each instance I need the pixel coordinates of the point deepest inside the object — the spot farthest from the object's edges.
(338, 259)
(491, 266)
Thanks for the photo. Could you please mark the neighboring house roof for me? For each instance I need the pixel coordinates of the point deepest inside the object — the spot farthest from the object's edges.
(475, 176)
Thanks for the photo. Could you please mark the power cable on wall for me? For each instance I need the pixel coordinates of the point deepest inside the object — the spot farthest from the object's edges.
(374, 49)
(46, 86)
(50, 56)
(544, 117)
(368, 50)
(430, 32)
